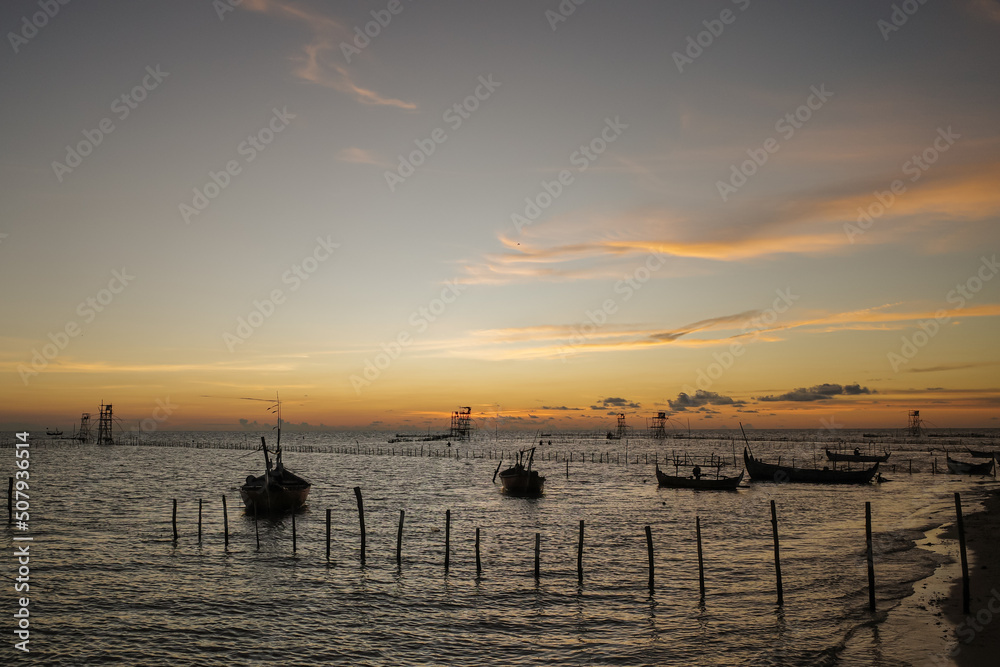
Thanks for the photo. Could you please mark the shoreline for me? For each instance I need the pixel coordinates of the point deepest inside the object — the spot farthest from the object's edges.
(975, 638)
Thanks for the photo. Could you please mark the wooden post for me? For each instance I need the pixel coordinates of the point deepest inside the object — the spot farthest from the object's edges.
(871, 557)
(361, 517)
(225, 520)
(328, 535)
(10, 500)
(399, 539)
(538, 547)
(961, 546)
(294, 545)
(701, 564)
(479, 566)
(777, 558)
(567, 468)
(174, 520)
(447, 538)
(199, 521)
(579, 555)
(649, 550)
(256, 528)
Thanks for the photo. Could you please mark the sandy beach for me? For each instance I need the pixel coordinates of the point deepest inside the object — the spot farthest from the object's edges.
(975, 637)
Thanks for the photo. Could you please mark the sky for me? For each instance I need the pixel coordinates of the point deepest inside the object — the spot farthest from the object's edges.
(776, 214)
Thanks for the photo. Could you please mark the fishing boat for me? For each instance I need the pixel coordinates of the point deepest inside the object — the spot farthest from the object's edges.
(278, 489)
(770, 472)
(964, 468)
(857, 457)
(979, 454)
(54, 433)
(698, 482)
(520, 479)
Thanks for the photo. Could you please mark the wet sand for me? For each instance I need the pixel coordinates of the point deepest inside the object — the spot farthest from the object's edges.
(975, 638)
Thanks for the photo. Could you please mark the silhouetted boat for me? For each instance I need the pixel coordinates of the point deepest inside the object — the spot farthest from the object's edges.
(979, 454)
(54, 434)
(964, 468)
(520, 479)
(721, 483)
(857, 457)
(278, 489)
(770, 472)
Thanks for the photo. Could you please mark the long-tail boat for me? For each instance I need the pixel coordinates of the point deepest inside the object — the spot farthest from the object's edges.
(770, 472)
(857, 457)
(963, 468)
(278, 489)
(698, 482)
(520, 479)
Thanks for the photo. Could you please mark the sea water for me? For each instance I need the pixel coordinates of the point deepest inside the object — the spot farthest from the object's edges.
(109, 584)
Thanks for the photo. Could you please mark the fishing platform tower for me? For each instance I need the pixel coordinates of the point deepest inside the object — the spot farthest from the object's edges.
(104, 425)
(913, 427)
(461, 424)
(657, 426)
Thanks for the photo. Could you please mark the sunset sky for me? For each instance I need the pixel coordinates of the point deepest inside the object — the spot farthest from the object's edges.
(784, 214)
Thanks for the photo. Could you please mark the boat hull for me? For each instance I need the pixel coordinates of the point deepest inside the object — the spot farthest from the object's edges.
(769, 472)
(856, 458)
(266, 495)
(723, 484)
(963, 468)
(521, 483)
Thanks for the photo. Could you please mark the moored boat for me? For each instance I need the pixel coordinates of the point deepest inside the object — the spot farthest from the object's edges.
(964, 468)
(55, 433)
(698, 482)
(520, 479)
(857, 457)
(770, 472)
(979, 454)
(278, 489)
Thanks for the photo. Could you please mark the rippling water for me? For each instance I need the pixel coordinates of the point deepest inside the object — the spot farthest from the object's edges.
(110, 585)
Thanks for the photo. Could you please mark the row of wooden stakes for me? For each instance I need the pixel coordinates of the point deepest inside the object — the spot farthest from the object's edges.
(579, 554)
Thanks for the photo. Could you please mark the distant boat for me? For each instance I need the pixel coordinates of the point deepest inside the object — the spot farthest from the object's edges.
(278, 489)
(979, 454)
(963, 468)
(520, 479)
(769, 472)
(857, 457)
(722, 483)
(54, 434)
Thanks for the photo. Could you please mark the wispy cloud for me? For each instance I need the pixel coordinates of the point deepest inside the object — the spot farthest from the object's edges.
(361, 156)
(810, 223)
(317, 63)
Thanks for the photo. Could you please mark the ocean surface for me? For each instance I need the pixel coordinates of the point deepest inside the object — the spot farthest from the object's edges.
(108, 583)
